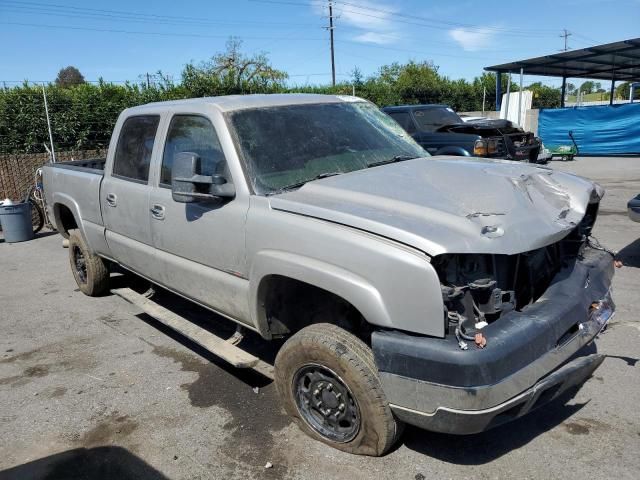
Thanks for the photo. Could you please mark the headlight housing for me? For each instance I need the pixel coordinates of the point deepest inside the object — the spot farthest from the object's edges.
(480, 148)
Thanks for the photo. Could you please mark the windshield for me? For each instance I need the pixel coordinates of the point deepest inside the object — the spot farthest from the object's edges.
(430, 119)
(284, 147)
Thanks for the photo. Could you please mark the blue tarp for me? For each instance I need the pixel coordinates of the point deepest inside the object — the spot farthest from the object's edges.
(603, 130)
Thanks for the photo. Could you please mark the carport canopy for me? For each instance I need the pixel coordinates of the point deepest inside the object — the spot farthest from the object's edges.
(618, 61)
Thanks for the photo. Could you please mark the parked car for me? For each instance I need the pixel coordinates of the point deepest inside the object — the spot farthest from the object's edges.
(452, 294)
(633, 208)
(441, 131)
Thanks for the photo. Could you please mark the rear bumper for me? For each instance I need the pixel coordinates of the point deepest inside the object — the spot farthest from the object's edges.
(531, 357)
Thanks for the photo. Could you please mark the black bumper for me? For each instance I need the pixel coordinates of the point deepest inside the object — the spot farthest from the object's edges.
(466, 422)
(425, 375)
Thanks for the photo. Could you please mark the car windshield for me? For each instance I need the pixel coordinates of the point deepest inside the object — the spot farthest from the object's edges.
(430, 119)
(285, 147)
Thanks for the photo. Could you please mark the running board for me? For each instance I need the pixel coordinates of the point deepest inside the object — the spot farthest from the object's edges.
(220, 347)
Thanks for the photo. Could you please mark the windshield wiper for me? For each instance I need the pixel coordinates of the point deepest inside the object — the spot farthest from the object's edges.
(397, 158)
(300, 184)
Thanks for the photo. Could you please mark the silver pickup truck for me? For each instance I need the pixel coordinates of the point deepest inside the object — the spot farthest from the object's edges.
(451, 293)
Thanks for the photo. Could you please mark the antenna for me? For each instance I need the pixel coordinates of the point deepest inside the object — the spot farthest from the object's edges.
(46, 111)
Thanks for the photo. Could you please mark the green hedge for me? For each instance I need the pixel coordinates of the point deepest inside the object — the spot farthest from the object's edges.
(83, 116)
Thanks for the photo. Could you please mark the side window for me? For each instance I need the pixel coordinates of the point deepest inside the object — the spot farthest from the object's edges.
(404, 119)
(133, 153)
(195, 134)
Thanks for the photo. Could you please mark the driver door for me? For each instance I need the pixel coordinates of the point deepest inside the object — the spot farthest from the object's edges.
(200, 246)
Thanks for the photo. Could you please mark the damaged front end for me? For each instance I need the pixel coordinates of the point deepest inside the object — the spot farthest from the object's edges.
(516, 330)
(478, 289)
(500, 139)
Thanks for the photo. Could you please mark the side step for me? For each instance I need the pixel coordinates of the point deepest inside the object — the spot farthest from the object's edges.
(207, 340)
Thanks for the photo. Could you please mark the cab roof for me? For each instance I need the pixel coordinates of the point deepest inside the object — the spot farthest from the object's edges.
(230, 103)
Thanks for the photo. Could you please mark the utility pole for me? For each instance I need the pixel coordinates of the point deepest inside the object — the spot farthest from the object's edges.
(148, 82)
(333, 62)
(566, 36)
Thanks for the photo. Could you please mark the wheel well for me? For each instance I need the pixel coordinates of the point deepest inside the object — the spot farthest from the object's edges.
(288, 305)
(64, 219)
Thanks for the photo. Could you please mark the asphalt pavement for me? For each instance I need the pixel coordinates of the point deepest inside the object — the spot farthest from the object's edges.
(91, 388)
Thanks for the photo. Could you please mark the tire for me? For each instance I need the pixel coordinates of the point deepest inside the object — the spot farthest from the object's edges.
(90, 271)
(327, 359)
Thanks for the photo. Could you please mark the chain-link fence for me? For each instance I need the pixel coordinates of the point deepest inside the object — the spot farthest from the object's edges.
(17, 171)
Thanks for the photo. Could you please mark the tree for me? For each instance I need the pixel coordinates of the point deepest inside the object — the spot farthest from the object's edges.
(544, 96)
(232, 72)
(357, 77)
(69, 76)
(587, 87)
(623, 91)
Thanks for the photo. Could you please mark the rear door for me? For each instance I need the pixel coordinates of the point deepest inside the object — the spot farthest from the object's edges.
(200, 247)
(125, 194)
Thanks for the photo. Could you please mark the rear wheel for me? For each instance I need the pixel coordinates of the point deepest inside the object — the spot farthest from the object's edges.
(89, 270)
(328, 382)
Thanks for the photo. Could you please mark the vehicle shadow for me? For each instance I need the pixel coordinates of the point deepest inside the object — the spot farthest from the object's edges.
(100, 463)
(42, 234)
(630, 255)
(210, 321)
(487, 446)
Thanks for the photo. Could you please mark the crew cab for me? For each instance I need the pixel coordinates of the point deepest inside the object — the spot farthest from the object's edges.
(441, 131)
(452, 293)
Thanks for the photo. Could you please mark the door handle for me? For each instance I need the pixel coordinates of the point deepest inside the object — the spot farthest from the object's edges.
(112, 199)
(157, 212)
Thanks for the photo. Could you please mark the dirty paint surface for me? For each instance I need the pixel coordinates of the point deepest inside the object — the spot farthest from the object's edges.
(90, 390)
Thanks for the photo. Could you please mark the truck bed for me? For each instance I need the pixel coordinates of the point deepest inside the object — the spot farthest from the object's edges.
(76, 186)
(94, 164)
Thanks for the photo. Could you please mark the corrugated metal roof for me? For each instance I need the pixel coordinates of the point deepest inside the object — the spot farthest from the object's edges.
(611, 61)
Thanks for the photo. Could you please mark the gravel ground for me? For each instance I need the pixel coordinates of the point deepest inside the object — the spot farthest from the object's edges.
(90, 388)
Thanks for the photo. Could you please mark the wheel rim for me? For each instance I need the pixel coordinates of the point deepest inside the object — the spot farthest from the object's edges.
(80, 264)
(325, 403)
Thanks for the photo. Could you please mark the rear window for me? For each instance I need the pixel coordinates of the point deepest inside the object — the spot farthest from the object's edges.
(135, 145)
(430, 119)
(404, 120)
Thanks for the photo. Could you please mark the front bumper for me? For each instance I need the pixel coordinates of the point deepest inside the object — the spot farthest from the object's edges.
(465, 422)
(532, 356)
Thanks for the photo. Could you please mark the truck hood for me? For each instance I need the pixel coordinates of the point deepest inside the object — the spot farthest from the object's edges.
(450, 204)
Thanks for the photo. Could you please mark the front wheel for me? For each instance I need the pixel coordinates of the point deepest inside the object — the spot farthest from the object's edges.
(328, 382)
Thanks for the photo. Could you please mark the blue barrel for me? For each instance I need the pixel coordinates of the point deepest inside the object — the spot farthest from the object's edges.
(16, 222)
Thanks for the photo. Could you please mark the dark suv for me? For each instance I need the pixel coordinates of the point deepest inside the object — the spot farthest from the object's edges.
(441, 131)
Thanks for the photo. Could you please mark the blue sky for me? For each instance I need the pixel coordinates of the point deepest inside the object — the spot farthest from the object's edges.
(120, 40)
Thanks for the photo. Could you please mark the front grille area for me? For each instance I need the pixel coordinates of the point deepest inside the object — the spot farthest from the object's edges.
(495, 284)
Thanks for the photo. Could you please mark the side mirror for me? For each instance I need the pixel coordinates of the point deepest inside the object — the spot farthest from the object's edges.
(188, 185)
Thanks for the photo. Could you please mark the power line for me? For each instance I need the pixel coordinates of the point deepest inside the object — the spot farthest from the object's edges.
(135, 32)
(441, 21)
(83, 12)
(365, 11)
